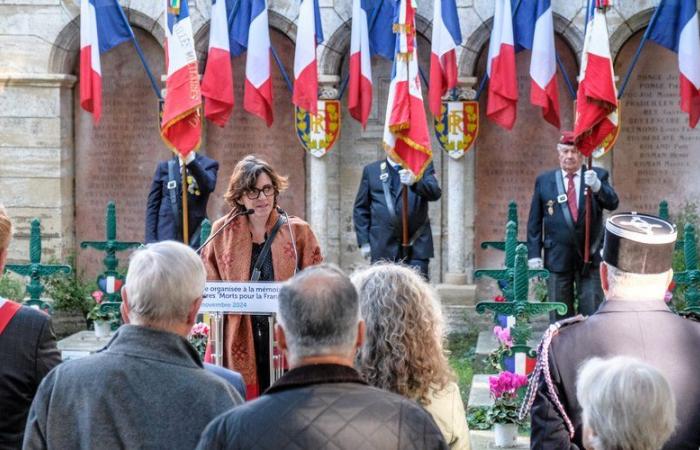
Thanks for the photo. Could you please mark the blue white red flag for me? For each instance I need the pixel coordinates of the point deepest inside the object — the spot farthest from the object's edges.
(677, 29)
(501, 106)
(596, 98)
(406, 137)
(181, 126)
(360, 73)
(101, 29)
(533, 28)
(443, 55)
(309, 34)
(217, 83)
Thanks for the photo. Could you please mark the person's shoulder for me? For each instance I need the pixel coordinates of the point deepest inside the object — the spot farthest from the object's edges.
(27, 313)
(203, 159)
(564, 330)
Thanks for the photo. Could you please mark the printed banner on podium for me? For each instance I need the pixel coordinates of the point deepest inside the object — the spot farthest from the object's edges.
(240, 297)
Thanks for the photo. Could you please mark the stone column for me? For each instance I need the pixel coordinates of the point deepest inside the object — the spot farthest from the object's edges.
(36, 173)
(317, 169)
(456, 204)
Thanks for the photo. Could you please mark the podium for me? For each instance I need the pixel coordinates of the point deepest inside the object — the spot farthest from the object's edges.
(243, 298)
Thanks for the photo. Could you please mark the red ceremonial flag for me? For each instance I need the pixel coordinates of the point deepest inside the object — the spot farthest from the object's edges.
(181, 127)
(406, 137)
(596, 99)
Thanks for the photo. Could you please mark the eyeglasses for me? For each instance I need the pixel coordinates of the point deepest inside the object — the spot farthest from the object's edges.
(254, 193)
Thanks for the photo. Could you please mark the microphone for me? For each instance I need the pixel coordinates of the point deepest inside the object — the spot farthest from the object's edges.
(210, 238)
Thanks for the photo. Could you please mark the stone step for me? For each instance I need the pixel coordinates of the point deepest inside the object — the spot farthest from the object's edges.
(456, 294)
(484, 440)
(479, 394)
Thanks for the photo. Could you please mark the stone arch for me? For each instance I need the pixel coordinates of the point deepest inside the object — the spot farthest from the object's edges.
(66, 47)
(475, 44)
(627, 30)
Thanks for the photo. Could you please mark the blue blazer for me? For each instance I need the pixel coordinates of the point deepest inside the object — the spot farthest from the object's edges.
(547, 228)
(374, 224)
(161, 224)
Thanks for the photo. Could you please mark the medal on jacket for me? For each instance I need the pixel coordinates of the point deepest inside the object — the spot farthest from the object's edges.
(562, 198)
(550, 207)
(384, 175)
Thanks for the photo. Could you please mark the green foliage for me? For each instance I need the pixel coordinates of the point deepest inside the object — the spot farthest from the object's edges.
(538, 289)
(504, 410)
(11, 287)
(98, 314)
(462, 348)
(69, 292)
(478, 419)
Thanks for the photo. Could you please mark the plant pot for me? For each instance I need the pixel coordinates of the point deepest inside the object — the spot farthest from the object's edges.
(506, 434)
(102, 328)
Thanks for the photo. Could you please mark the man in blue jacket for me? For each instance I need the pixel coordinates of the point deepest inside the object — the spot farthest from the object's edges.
(557, 225)
(164, 207)
(378, 209)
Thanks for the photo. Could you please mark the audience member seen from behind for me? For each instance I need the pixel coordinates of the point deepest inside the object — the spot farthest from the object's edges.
(322, 401)
(147, 387)
(626, 404)
(403, 350)
(27, 353)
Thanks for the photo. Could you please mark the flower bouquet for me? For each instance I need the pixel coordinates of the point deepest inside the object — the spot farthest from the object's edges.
(504, 412)
(198, 337)
(505, 342)
(102, 319)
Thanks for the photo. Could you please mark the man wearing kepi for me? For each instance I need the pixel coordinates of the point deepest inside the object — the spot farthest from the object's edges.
(557, 225)
(147, 387)
(378, 210)
(632, 321)
(322, 402)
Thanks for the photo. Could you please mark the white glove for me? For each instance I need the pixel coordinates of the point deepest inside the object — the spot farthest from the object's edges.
(366, 251)
(591, 180)
(189, 159)
(535, 263)
(407, 177)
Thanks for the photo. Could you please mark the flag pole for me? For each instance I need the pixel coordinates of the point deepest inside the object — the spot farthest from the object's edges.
(587, 240)
(280, 66)
(185, 213)
(154, 85)
(404, 220)
(639, 51)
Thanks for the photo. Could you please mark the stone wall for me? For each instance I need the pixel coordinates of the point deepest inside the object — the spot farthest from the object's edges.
(47, 161)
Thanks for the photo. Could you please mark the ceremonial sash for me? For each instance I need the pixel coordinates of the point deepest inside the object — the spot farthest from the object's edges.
(8, 310)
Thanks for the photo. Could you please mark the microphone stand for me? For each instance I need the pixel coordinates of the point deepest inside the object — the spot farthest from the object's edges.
(210, 238)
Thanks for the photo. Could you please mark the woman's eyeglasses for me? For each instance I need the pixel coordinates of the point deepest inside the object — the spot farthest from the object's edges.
(254, 193)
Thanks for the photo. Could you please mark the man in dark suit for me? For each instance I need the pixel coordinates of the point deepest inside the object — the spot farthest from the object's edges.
(633, 321)
(164, 208)
(27, 353)
(557, 224)
(378, 209)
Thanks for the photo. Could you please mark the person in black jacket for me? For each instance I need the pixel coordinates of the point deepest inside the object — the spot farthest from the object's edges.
(164, 207)
(322, 402)
(557, 225)
(27, 353)
(378, 209)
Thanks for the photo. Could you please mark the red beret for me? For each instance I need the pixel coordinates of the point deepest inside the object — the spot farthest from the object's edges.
(567, 138)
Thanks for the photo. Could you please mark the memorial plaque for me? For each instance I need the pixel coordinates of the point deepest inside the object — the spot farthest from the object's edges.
(656, 155)
(246, 134)
(115, 159)
(508, 162)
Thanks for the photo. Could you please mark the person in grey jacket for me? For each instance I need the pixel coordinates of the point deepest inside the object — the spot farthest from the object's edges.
(322, 402)
(147, 388)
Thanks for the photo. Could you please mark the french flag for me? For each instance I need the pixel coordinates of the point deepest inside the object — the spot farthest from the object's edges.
(443, 56)
(101, 29)
(596, 98)
(406, 137)
(217, 83)
(309, 34)
(533, 27)
(677, 29)
(181, 126)
(501, 106)
(360, 76)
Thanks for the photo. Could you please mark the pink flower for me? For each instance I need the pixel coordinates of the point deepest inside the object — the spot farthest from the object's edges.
(503, 336)
(506, 384)
(200, 328)
(97, 295)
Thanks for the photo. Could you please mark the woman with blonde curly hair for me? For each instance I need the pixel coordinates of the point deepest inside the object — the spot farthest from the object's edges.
(403, 352)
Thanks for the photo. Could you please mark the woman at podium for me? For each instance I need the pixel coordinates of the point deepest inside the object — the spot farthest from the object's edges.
(256, 241)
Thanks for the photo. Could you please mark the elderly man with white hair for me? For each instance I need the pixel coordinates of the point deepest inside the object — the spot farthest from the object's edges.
(614, 415)
(322, 402)
(147, 387)
(633, 321)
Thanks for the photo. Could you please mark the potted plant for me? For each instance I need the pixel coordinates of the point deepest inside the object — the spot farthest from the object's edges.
(102, 320)
(504, 412)
(505, 342)
(198, 337)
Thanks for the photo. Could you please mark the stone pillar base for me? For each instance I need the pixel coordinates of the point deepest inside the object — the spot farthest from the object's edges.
(455, 278)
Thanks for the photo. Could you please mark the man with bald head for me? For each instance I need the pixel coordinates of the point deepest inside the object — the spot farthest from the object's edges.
(322, 402)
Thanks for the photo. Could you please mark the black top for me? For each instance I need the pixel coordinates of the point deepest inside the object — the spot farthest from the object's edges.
(267, 272)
